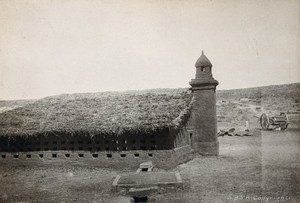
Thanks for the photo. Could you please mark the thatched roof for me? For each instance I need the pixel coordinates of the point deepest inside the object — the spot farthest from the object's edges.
(99, 113)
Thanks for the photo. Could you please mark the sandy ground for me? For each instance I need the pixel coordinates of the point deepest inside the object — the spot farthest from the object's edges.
(260, 168)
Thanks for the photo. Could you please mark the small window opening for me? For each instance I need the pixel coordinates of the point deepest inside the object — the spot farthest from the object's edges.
(150, 155)
(95, 155)
(3, 156)
(144, 169)
(108, 155)
(54, 155)
(41, 155)
(123, 155)
(136, 155)
(81, 155)
(67, 155)
(16, 156)
(28, 156)
(140, 199)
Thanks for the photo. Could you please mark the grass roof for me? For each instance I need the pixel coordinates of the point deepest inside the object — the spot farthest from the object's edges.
(100, 113)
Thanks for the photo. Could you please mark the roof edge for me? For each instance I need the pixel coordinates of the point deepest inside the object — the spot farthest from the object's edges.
(184, 116)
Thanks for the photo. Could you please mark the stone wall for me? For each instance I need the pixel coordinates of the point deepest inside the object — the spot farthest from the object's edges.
(205, 122)
(165, 150)
(109, 159)
(181, 137)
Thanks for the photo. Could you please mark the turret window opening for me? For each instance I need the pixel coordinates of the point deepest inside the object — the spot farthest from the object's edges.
(203, 69)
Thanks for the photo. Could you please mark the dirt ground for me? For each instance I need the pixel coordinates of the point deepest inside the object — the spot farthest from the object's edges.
(260, 168)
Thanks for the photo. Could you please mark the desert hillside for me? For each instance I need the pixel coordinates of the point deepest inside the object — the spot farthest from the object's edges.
(235, 107)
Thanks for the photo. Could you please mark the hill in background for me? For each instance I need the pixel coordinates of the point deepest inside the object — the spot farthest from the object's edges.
(235, 107)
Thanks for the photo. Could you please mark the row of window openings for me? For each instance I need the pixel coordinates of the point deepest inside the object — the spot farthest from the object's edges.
(88, 142)
(16, 156)
(90, 148)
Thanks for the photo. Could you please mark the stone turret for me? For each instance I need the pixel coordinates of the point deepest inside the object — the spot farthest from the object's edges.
(204, 119)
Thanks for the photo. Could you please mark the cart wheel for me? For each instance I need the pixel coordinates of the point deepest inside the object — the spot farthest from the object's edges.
(284, 127)
(285, 117)
(264, 121)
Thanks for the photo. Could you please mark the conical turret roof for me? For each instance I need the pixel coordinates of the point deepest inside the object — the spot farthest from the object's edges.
(203, 61)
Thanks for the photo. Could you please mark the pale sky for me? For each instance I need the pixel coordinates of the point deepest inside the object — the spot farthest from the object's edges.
(49, 47)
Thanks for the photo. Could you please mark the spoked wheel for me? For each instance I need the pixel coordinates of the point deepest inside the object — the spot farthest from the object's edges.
(264, 121)
(286, 119)
(284, 127)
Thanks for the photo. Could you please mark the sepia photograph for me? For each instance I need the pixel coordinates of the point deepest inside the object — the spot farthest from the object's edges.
(159, 101)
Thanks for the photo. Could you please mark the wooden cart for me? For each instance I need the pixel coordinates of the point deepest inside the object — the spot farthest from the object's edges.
(280, 121)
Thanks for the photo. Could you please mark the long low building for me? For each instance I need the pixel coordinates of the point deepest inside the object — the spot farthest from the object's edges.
(167, 126)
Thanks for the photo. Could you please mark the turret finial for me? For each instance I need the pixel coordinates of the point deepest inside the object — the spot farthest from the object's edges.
(203, 61)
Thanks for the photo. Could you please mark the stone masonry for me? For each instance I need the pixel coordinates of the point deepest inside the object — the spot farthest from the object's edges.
(204, 119)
